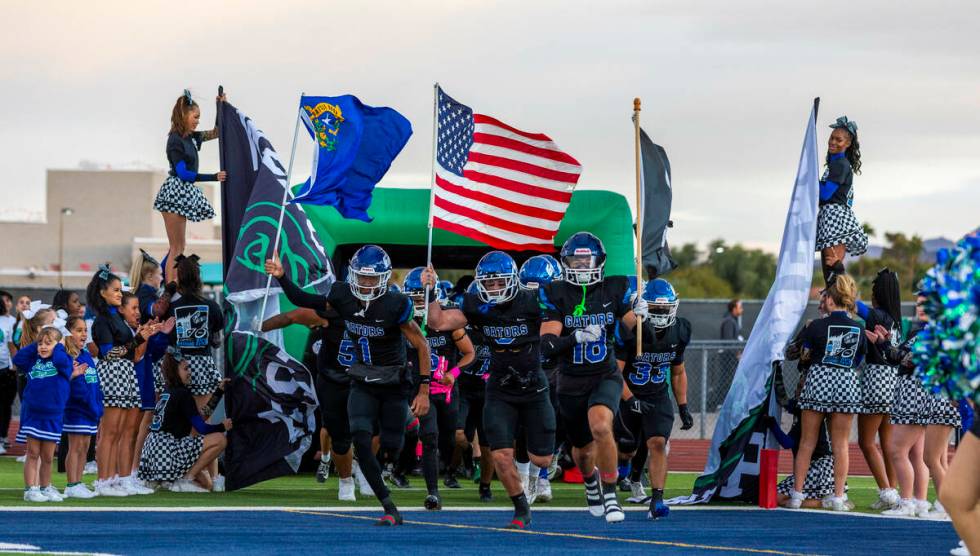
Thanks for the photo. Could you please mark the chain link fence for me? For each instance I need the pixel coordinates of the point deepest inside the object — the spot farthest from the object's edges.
(710, 366)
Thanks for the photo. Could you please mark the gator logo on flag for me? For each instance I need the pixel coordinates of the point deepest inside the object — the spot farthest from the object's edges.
(326, 119)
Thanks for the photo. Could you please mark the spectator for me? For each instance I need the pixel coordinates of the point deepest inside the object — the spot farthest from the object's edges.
(8, 378)
(731, 324)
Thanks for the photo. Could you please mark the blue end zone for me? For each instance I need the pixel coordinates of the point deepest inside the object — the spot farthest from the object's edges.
(573, 532)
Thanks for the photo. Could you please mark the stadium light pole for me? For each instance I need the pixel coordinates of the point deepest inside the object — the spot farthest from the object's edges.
(66, 211)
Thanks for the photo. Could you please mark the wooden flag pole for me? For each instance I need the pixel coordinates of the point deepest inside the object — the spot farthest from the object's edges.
(432, 192)
(257, 320)
(639, 221)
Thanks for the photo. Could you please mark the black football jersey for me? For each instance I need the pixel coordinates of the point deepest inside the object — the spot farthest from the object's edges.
(505, 325)
(199, 323)
(604, 304)
(836, 341)
(471, 376)
(441, 345)
(373, 334)
(647, 375)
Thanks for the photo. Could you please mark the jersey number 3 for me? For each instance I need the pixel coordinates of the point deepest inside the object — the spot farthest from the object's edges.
(646, 372)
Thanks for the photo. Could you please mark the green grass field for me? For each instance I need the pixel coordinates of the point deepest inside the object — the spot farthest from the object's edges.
(303, 490)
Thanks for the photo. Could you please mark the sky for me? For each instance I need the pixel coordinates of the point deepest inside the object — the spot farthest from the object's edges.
(726, 89)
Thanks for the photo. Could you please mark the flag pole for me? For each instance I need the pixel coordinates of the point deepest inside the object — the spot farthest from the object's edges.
(432, 192)
(257, 320)
(639, 221)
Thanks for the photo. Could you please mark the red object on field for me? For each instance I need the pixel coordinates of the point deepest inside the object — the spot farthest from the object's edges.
(768, 469)
(572, 475)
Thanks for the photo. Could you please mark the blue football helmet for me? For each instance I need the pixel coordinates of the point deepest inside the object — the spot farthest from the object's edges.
(496, 278)
(538, 270)
(413, 288)
(582, 259)
(445, 290)
(368, 273)
(394, 288)
(661, 301)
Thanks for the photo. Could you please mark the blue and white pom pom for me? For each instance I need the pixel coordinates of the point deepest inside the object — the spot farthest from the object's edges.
(947, 350)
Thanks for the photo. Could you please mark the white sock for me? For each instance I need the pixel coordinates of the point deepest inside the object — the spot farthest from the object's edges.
(533, 470)
(523, 468)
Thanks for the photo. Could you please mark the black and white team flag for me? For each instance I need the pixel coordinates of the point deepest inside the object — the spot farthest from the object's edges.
(655, 209)
(272, 403)
(732, 470)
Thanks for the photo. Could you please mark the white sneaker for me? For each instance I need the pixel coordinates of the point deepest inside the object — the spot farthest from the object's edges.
(346, 492)
(938, 512)
(638, 495)
(186, 485)
(132, 486)
(836, 503)
(888, 498)
(905, 508)
(362, 483)
(3, 449)
(52, 494)
(543, 492)
(79, 491)
(21, 459)
(106, 488)
(960, 550)
(922, 508)
(218, 483)
(91, 468)
(34, 494)
(796, 499)
(553, 468)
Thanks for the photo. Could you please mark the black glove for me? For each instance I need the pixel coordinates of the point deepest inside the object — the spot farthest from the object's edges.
(634, 405)
(687, 419)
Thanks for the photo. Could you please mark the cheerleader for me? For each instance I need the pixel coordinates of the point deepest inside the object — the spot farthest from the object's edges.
(179, 199)
(48, 369)
(942, 418)
(877, 381)
(130, 312)
(67, 303)
(838, 231)
(171, 453)
(116, 348)
(909, 413)
(145, 278)
(199, 323)
(833, 346)
(83, 411)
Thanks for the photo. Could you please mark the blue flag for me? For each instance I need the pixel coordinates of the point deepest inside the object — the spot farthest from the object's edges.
(355, 145)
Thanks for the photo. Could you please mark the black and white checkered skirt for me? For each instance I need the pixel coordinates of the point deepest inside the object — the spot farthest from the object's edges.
(836, 225)
(943, 412)
(819, 480)
(204, 372)
(119, 385)
(168, 458)
(912, 404)
(183, 198)
(831, 390)
(877, 388)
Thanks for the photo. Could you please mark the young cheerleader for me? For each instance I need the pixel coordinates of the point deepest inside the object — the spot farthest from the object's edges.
(179, 199)
(48, 369)
(878, 380)
(145, 278)
(833, 346)
(199, 323)
(34, 318)
(84, 409)
(838, 231)
(130, 312)
(116, 346)
(171, 453)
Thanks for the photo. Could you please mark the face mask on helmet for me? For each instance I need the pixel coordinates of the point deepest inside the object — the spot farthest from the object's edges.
(583, 269)
(366, 284)
(663, 313)
(496, 288)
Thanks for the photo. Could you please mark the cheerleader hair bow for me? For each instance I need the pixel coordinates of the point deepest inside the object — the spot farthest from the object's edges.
(175, 353)
(104, 271)
(149, 258)
(35, 308)
(850, 125)
(193, 258)
(59, 324)
(187, 97)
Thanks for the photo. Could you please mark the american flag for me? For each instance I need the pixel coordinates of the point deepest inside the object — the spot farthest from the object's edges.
(497, 184)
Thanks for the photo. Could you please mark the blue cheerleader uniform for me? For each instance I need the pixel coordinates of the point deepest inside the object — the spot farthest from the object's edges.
(46, 393)
(84, 409)
(155, 350)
